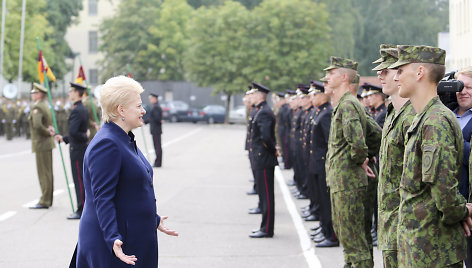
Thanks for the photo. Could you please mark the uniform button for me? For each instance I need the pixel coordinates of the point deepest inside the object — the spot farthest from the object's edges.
(311, 151)
(322, 158)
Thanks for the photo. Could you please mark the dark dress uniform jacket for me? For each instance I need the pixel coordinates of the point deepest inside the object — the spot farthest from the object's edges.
(156, 119)
(119, 202)
(319, 140)
(78, 125)
(262, 147)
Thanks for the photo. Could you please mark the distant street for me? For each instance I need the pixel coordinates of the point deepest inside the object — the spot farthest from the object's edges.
(201, 187)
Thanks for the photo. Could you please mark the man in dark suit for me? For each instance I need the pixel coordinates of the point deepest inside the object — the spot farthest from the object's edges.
(155, 118)
(77, 138)
(263, 154)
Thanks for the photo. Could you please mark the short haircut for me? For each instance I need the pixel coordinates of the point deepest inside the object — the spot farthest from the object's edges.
(436, 71)
(351, 74)
(117, 91)
(81, 92)
(467, 71)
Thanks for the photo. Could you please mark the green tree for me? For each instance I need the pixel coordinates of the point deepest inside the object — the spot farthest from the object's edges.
(60, 15)
(36, 25)
(124, 35)
(167, 42)
(290, 43)
(199, 3)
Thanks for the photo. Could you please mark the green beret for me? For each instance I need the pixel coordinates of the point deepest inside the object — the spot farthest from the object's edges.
(419, 54)
(341, 63)
(389, 57)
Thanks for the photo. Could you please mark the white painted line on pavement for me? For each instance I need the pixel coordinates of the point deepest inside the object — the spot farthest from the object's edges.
(305, 242)
(15, 154)
(7, 215)
(181, 137)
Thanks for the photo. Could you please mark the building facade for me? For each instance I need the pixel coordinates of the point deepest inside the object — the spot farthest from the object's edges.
(460, 34)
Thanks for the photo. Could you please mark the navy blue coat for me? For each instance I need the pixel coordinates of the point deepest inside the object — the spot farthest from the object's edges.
(119, 202)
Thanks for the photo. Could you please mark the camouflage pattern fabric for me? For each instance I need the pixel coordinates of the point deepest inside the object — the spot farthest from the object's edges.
(389, 57)
(391, 167)
(390, 259)
(348, 219)
(383, 47)
(347, 149)
(337, 62)
(419, 54)
(429, 230)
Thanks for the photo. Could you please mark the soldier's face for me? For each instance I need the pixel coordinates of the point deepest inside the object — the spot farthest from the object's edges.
(35, 96)
(389, 86)
(464, 98)
(405, 78)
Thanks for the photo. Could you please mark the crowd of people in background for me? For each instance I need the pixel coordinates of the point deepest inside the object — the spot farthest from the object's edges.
(381, 165)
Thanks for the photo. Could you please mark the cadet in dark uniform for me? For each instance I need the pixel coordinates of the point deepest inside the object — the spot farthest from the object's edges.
(77, 137)
(262, 151)
(155, 118)
(42, 144)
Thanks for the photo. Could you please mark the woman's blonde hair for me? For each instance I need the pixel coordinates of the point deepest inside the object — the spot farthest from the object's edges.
(117, 91)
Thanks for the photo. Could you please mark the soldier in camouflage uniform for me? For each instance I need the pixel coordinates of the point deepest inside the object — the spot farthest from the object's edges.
(432, 211)
(400, 113)
(346, 164)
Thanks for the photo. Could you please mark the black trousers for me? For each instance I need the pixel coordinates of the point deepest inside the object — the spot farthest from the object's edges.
(158, 149)
(77, 153)
(313, 193)
(324, 200)
(265, 190)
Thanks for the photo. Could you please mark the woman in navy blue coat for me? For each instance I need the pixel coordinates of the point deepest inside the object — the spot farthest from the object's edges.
(120, 207)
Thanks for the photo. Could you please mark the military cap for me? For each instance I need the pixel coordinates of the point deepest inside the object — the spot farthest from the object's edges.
(291, 92)
(419, 54)
(154, 94)
(323, 79)
(260, 88)
(337, 62)
(360, 91)
(383, 47)
(249, 90)
(39, 88)
(316, 87)
(389, 57)
(302, 92)
(371, 89)
(280, 94)
(303, 86)
(77, 86)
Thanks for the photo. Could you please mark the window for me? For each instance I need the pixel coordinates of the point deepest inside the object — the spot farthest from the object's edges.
(93, 76)
(93, 41)
(92, 7)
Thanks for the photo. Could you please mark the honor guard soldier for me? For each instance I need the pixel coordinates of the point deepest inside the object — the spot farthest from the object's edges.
(42, 133)
(262, 151)
(77, 138)
(346, 165)
(155, 119)
(400, 114)
(433, 214)
(376, 100)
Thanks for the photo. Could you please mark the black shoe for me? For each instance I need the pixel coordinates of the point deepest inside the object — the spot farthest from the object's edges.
(305, 214)
(74, 216)
(251, 192)
(39, 206)
(301, 196)
(374, 243)
(260, 234)
(327, 244)
(319, 238)
(255, 230)
(254, 211)
(315, 233)
(315, 228)
(291, 183)
(312, 218)
(307, 207)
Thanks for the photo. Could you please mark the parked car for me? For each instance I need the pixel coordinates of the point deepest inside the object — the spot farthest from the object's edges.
(210, 114)
(174, 111)
(237, 115)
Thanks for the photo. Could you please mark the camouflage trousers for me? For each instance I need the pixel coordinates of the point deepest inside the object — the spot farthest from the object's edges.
(390, 258)
(349, 222)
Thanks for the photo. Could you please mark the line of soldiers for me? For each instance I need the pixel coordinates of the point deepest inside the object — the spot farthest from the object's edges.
(336, 151)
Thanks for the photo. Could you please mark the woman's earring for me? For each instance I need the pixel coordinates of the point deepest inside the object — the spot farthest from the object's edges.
(122, 119)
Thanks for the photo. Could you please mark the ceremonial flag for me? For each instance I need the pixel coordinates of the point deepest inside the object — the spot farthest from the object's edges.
(81, 76)
(43, 66)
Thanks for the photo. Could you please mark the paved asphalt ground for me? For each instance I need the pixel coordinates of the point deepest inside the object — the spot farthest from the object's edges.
(201, 187)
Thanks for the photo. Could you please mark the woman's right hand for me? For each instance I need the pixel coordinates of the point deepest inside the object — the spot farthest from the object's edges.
(122, 256)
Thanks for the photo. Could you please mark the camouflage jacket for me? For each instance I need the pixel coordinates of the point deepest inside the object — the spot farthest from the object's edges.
(391, 168)
(431, 209)
(347, 148)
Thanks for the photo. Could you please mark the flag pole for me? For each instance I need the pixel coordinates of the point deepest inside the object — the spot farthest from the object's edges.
(142, 129)
(90, 96)
(53, 115)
